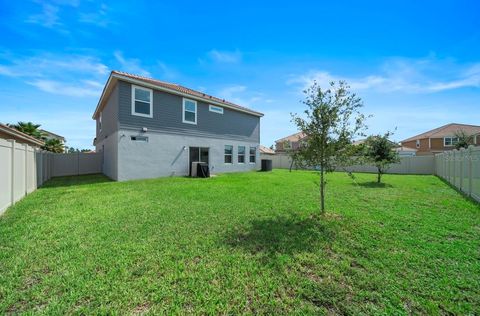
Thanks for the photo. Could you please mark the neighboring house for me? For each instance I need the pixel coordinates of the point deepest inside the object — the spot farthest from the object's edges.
(49, 135)
(7, 132)
(148, 128)
(265, 150)
(405, 151)
(440, 139)
(288, 143)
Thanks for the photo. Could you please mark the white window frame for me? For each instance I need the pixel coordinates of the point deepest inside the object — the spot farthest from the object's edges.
(133, 101)
(254, 155)
(451, 141)
(417, 143)
(100, 122)
(231, 155)
(215, 109)
(183, 111)
(244, 154)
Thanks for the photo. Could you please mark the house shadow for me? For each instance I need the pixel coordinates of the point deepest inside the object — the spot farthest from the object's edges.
(68, 181)
(282, 235)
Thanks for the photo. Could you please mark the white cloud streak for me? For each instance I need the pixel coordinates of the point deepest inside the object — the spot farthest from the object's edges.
(225, 56)
(131, 65)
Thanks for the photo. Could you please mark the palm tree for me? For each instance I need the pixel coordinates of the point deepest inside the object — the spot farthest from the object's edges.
(54, 145)
(464, 139)
(28, 128)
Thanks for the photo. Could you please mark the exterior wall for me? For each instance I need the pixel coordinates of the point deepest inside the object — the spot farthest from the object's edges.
(167, 117)
(435, 146)
(108, 148)
(109, 119)
(168, 155)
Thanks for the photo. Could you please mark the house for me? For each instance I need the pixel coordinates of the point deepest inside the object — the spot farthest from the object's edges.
(401, 150)
(440, 139)
(49, 135)
(288, 143)
(149, 128)
(265, 150)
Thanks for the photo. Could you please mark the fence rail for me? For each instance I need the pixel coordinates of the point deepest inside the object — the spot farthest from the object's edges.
(23, 168)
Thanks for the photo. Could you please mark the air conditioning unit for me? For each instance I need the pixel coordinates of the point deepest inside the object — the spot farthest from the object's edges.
(200, 169)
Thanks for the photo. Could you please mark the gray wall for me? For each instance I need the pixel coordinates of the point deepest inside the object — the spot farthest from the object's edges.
(108, 148)
(164, 155)
(76, 164)
(109, 118)
(167, 116)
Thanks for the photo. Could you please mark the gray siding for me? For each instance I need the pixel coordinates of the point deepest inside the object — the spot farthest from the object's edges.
(167, 117)
(109, 118)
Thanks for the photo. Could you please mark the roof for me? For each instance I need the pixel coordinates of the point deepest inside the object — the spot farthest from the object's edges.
(166, 87)
(266, 150)
(292, 138)
(446, 130)
(20, 135)
(53, 135)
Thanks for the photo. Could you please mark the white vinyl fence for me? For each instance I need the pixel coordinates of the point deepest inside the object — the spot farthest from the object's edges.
(407, 165)
(23, 168)
(461, 168)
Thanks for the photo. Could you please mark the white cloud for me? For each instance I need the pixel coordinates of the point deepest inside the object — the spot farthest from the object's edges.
(131, 65)
(72, 75)
(48, 17)
(225, 56)
(98, 17)
(403, 75)
(88, 88)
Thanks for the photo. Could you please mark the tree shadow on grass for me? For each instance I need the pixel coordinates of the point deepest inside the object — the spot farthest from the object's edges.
(282, 235)
(373, 185)
(68, 181)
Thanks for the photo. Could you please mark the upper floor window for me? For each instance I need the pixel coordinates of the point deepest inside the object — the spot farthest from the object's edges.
(100, 122)
(216, 109)
(417, 143)
(253, 154)
(450, 141)
(142, 104)
(189, 111)
(241, 154)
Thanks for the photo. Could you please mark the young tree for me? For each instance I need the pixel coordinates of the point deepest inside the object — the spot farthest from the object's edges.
(331, 120)
(380, 151)
(464, 139)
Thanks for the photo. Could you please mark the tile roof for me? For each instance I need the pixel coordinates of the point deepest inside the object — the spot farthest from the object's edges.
(182, 89)
(266, 150)
(446, 130)
(292, 138)
(16, 133)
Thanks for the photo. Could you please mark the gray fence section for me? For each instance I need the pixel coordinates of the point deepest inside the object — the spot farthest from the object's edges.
(407, 165)
(23, 168)
(461, 168)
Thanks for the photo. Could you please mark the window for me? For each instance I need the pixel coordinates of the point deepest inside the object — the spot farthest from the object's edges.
(253, 154)
(287, 144)
(139, 139)
(241, 154)
(189, 111)
(142, 104)
(450, 141)
(100, 122)
(216, 109)
(228, 153)
(417, 143)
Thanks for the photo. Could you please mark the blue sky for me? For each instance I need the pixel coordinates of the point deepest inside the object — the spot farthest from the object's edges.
(416, 64)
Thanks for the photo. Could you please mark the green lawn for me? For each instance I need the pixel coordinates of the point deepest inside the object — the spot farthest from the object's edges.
(241, 243)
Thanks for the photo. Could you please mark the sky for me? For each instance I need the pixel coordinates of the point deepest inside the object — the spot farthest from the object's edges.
(415, 64)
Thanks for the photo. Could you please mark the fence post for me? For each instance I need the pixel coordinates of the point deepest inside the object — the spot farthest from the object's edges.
(12, 196)
(461, 157)
(470, 170)
(26, 169)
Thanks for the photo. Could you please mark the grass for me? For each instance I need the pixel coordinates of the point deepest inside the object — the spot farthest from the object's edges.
(241, 243)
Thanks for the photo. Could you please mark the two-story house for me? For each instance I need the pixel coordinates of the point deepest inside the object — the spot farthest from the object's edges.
(288, 143)
(441, 139)
(149, 128)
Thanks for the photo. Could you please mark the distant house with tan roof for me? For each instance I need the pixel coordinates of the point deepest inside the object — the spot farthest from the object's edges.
(290, 142)
(265, 150)
(440, 139)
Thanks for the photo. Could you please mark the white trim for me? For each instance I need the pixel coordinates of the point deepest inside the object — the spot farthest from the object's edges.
(212, 108)
(429, 143)
(244, 154)
(183, 111)
(133, 101)
(100, 122)
(451, 140)
(224, 154)
(145, 84)
(250, 155)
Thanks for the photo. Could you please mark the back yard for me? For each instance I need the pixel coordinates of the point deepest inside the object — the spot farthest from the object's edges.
(241, 243)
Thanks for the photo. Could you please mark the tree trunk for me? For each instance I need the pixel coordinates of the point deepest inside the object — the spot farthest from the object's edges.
(322, 191)
(379, 176)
